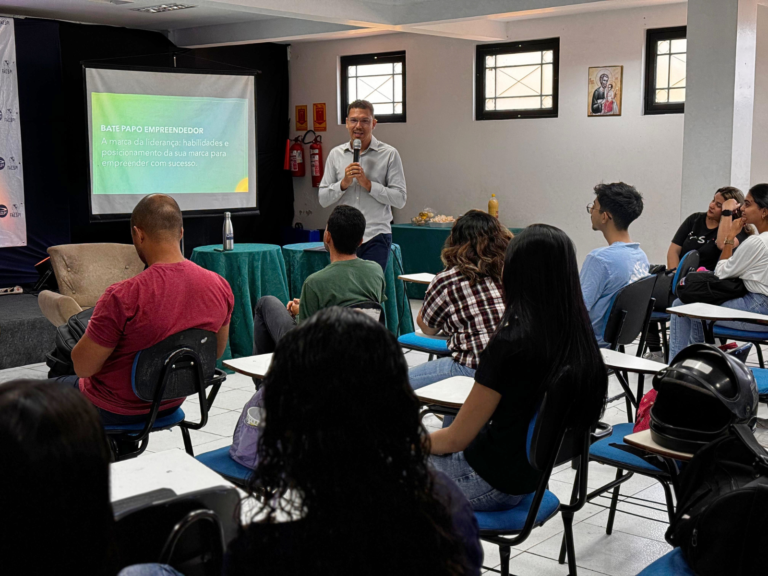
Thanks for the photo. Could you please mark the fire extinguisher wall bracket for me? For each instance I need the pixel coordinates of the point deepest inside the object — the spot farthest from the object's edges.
(316, 160)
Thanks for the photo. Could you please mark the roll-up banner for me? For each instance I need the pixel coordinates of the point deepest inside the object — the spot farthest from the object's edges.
(13, 224)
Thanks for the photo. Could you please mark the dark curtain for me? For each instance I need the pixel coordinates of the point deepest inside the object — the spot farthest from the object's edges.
(55, 139)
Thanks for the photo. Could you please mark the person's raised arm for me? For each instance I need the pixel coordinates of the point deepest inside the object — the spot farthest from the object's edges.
(735, 267)
(726, 222)
(673, 256)
(474, 414)
(393, 193)
(330, 186)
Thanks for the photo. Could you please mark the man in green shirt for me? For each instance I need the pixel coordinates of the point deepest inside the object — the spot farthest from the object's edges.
(346, 281)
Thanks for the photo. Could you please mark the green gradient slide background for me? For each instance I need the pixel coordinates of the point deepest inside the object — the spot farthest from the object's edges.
(224, 119)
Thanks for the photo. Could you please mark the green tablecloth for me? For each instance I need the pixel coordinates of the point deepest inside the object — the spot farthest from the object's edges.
(421, 246)
(299, 264)
(253, 271)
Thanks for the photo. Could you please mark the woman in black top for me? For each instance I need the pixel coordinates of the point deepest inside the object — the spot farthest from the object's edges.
(702, 231)
(545, 327)
(350, 495)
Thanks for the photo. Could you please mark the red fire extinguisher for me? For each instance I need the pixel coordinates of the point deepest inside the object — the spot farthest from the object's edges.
(297, 157)
(316, 160)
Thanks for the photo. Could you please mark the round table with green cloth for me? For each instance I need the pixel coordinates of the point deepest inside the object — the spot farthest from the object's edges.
(253, 271)
(421, 246)
(300, 263)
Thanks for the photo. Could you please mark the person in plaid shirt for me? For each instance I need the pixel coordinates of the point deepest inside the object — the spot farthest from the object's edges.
(465, 301)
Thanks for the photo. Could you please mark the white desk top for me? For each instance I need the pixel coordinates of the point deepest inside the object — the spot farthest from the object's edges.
(174, 469)
(629, 363)
(712, 312)
(643, 440)
(254, 366)
(451, 392)
(420, 278)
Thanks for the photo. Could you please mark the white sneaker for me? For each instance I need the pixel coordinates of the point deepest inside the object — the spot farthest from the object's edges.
(657, 356)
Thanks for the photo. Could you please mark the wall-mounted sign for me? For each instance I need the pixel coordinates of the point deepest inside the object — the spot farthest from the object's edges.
(319, 120)
(302, 122)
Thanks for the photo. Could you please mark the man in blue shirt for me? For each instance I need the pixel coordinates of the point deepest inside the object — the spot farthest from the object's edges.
(607, 270)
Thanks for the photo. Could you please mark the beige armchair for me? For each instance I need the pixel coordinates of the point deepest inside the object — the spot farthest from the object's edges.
(84, 272)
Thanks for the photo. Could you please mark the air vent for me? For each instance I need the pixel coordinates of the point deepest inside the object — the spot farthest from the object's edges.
(162, 8)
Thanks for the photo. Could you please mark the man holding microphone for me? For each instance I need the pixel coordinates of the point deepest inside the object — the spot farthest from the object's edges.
(368, 175)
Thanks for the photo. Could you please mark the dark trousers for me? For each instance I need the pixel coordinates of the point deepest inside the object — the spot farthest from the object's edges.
(108, 418)
(376, 250)
(270, 321)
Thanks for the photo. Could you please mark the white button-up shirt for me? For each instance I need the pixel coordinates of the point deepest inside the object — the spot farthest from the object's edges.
(383, 167)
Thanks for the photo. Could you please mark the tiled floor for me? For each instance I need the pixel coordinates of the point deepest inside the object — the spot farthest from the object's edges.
(635, 542)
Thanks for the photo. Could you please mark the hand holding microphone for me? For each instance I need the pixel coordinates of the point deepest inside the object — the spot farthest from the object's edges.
(355, 170)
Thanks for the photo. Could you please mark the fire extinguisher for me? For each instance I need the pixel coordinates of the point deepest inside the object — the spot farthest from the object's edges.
(316, 160)
(297, 157)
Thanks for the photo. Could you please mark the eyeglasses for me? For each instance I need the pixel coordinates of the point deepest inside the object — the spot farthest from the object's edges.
(590, 207)
(361, 121)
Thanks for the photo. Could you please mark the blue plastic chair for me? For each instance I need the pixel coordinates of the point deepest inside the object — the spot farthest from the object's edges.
(688, 263)
(222, 463)
(435, 347)
(612, 451)
(756, 338)
(171, 369)
(546, 432)
(761, 377)
(671, 564)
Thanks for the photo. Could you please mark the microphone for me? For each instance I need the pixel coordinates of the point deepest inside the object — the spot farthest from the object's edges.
(356, 145)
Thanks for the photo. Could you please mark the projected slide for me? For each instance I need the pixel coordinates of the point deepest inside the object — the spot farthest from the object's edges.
(188, 135)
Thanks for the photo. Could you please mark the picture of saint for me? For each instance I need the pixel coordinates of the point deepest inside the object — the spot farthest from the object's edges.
(605, 86)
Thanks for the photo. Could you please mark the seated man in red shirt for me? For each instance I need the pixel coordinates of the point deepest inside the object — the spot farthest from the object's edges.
(170, 296)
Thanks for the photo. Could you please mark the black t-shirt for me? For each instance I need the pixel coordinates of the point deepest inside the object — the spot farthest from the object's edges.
(693, 234)
(498, 453)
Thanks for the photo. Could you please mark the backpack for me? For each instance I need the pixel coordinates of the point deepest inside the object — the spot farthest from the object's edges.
(722, 509)
(245, 441)
(59, 360)
(707, 288)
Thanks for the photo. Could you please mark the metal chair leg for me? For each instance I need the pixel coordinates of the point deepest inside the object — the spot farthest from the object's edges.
(187, 441)
(614, 504)
(664, 341)
(759, 355)
(568, 536)
(504, 554)
(430, 358)
(670, 502)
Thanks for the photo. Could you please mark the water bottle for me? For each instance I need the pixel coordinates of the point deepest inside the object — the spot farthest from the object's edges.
(228, 234)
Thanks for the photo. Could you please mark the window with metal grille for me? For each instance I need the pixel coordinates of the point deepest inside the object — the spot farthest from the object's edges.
(665, 70)
(517, 80)
(378, 78)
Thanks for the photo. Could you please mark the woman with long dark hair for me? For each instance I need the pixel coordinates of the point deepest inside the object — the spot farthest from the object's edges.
(465, 300)
(545, 327)
(749, 262)
(350, 496)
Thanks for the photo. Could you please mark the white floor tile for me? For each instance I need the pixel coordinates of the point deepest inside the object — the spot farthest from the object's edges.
(619, 554)
(233, 399)
(602, 474)
(238, 382)
(210, 446)
(643, 527)
(223, 424)
(192, 411)
(531, 564)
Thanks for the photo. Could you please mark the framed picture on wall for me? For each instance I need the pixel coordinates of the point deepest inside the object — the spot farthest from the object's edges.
(604, 90)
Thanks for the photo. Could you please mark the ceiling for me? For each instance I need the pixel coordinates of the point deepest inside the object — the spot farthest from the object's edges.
(224, 22)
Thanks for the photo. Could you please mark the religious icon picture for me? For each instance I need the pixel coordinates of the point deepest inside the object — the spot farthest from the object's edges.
(604, 88)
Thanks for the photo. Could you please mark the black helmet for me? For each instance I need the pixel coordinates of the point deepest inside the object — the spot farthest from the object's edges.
(700, 394)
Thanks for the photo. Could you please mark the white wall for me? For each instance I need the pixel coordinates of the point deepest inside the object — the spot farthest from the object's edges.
(542, 170)
(760, 117)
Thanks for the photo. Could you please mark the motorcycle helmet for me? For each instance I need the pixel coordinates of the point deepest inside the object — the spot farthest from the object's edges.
(700, 395)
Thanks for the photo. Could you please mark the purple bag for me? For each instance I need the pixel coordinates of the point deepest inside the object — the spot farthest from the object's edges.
(245, 442)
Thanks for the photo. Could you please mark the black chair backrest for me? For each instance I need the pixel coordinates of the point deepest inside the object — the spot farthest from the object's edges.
(688, 263)
(550, 423)
(169, 530)
(630, 313)
(182, 359)
(372, 309)
(662, 291)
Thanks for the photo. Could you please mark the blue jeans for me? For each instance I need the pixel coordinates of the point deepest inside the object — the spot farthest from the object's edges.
(686, 331)
(440, 369)
(481, 495)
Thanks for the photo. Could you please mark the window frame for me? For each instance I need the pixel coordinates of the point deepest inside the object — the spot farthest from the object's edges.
(652, 36)
(365, 59)
(483, 50)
